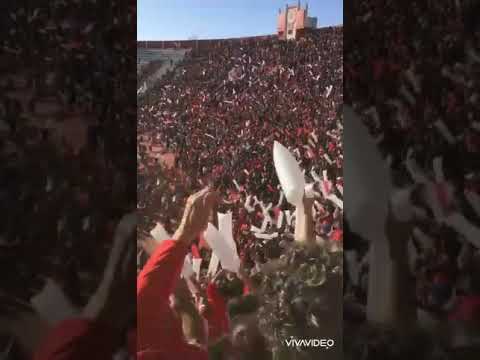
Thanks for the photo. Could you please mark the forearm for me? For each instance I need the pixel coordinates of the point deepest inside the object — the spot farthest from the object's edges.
(304, 225)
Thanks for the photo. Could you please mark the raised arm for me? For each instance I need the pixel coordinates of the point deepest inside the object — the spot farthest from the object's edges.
(157, 327)
(304, 224)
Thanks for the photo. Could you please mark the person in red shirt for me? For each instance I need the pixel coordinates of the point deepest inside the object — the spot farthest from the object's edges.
(159, 330)
(160, 334)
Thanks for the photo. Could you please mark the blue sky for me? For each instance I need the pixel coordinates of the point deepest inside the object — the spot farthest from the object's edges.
(210, 19)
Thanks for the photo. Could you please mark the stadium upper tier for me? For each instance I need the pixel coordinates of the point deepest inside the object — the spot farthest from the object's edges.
(166, 56)
(190, 44)
(152, 45)
(167, 51)
(147, 55)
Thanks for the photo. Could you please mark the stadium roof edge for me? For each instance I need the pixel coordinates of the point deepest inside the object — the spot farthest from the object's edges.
(192, 41)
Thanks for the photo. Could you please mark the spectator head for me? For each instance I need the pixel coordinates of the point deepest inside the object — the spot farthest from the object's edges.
(247, 340)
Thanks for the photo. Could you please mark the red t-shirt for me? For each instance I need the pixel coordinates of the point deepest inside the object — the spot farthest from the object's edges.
(217, 314)
(159, 332)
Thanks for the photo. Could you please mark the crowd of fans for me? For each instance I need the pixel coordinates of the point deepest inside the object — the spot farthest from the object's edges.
(411, 72)
(216, 116)
(67, 125)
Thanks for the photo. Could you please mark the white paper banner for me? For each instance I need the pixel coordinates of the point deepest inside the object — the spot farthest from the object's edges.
(327, 158)
(464, 227)
(222, 249)
(225, 227)
(315, 176)
(340, 189)
(415, 172)
(280, 200)
(289, 216)
(474, 200)
(266, 236)
(280, 220)
(368, 183)
(289, 174)
(213, 265)
(159, 233)
(247, 205)
(52, 304)
(196, 263)
(187, 270)
(444, 131)
(335, 200)
(236, 185)
(426, 241)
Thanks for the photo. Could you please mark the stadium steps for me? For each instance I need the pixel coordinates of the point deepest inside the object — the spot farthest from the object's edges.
(169, 57)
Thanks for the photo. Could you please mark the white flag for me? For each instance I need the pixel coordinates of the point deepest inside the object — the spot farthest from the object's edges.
(289, 174)
(159, 233)
(228, 258)
(196, 263)
(52, 304)
(213, 266)
(225, 227)
(187, 270)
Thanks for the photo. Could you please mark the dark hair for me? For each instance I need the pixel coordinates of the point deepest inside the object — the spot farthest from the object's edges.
(302, 298)
(230, 288)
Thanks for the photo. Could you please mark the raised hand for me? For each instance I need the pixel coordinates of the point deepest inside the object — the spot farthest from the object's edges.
(195, 217)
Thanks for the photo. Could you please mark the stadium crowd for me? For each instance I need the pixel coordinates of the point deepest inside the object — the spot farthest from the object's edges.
(67, 125)
(415, 84)
(212, 121)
